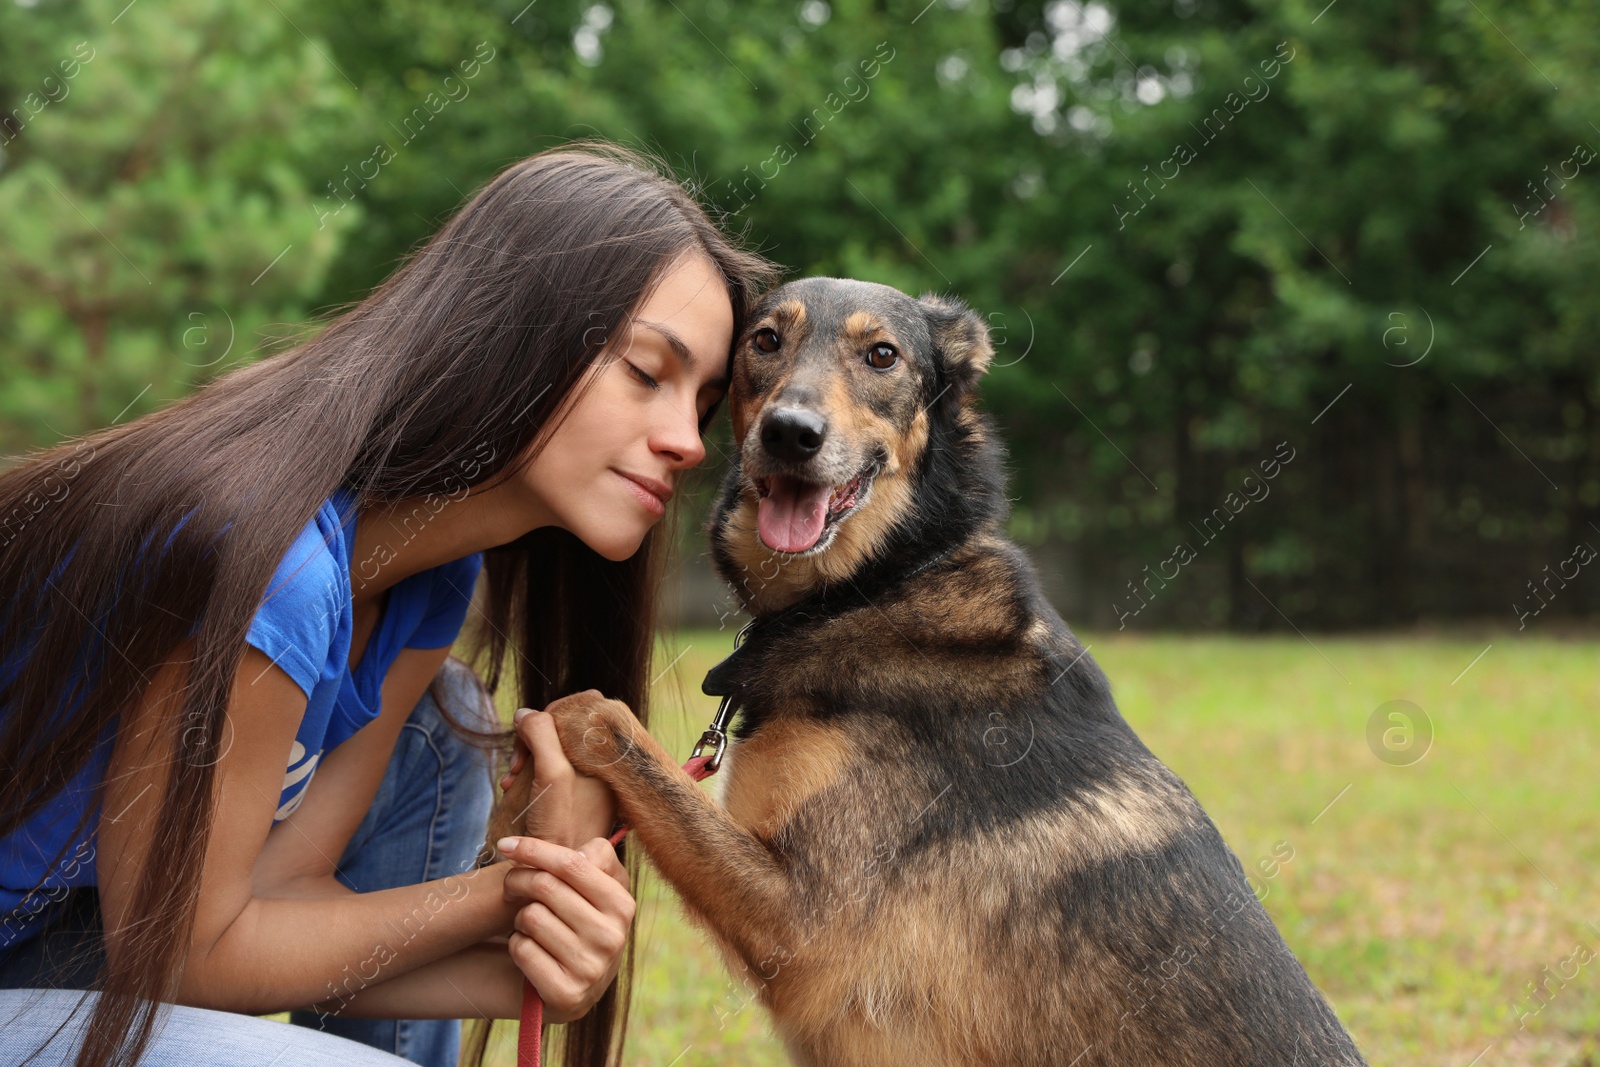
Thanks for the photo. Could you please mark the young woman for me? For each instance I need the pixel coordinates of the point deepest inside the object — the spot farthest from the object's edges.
(190, 734)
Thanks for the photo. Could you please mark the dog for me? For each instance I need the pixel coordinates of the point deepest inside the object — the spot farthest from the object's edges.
(938, 842)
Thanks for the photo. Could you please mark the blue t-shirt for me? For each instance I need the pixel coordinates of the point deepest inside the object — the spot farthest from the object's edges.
(304, 624)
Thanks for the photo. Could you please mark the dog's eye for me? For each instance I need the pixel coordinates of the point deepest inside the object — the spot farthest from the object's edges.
(882, 356)
(766, 339)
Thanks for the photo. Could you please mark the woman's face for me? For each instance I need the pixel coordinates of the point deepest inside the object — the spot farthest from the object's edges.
(609, 466)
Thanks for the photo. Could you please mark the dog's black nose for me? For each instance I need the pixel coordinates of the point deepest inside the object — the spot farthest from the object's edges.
(793, 435)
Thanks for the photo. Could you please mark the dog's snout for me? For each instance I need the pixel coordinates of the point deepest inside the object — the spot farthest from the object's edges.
(793, 435)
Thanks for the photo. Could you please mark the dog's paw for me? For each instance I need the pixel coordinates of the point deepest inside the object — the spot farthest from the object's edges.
(595, 731)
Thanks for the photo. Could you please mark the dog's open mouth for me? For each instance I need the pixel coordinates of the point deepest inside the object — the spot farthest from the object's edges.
(793, 514)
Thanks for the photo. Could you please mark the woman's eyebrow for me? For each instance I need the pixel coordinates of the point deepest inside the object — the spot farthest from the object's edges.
(679, 348)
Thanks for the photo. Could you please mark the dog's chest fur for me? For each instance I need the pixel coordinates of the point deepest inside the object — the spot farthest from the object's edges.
(768, 777)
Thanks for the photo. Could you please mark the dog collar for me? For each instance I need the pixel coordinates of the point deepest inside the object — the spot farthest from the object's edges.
(716, 684)
(719, 679)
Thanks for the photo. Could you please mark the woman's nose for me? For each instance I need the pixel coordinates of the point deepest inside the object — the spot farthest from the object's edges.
(680, 439)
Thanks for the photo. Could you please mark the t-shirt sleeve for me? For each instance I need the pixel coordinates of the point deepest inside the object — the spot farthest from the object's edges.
(298, 619)
(447, 606)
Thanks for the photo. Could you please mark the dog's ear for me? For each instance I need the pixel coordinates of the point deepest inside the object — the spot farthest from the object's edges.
(960, 340)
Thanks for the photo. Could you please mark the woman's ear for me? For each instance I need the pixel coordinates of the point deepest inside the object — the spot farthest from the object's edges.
(960, 340)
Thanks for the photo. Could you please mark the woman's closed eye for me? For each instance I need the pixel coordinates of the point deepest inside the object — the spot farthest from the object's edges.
(642, 376)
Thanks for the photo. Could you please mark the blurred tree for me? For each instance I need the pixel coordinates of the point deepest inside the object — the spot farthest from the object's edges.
(1281, 201)
(155, 201)
(1199, 228)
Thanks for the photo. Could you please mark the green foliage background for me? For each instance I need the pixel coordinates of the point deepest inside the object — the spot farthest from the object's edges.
(1375, 244)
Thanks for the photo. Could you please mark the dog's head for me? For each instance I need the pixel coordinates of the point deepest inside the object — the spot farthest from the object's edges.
(839, 390)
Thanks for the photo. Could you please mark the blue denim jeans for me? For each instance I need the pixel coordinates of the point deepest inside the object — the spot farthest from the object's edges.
(427, 821)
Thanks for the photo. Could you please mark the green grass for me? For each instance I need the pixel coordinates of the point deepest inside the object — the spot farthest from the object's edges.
(1422, 901)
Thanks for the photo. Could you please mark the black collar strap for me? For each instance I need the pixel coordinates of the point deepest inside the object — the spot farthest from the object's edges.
(719, 680)
(717, 683)
(716, 736)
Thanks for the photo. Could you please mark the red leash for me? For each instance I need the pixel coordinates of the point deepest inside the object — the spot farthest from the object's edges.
(702, 764)
(699, 767)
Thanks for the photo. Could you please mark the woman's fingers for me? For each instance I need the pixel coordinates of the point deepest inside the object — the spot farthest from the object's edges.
(569, 938)
(562, 993)
(584, 927)
(529, 884)
(594, 874)
(567, 807)
(556, 936)
(519, 754)
(550, 816)
(603, 854)
(587, 945)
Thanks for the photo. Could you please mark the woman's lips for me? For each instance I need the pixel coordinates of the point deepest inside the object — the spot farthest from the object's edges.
(651, 493)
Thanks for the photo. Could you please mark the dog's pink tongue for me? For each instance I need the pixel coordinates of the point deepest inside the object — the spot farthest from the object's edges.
(791, 516)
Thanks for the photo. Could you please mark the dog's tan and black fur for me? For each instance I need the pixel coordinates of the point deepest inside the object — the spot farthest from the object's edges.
(939, 843)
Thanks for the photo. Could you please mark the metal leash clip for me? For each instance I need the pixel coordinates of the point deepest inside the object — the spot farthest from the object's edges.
(716, 735)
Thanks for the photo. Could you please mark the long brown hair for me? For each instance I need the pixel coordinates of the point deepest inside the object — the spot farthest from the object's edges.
(460, 361)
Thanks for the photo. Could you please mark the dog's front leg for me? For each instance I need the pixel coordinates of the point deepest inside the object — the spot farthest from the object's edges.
(721, 871)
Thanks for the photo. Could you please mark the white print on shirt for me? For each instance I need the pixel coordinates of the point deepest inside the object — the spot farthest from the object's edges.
(295, 774)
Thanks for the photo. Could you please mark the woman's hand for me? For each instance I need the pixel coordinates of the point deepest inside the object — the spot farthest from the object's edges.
(568, 938)
(565, 807)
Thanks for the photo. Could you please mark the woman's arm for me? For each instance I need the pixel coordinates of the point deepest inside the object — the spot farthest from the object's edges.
(254, 953)
(574, 906)
(481, 981)
(487, 979)
(303, 849)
